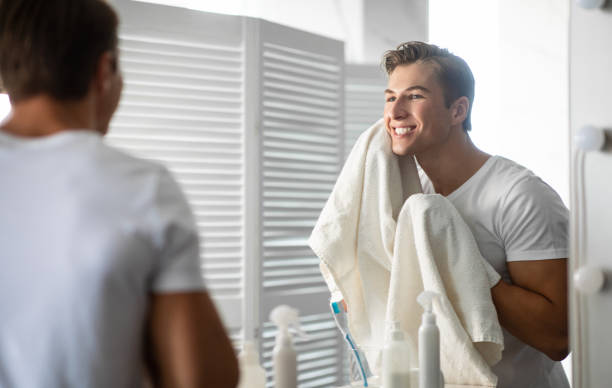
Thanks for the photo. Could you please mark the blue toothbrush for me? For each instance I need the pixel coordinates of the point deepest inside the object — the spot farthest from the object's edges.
(338, 308)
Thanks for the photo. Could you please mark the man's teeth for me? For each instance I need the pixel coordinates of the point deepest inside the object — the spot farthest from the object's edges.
(402, 130)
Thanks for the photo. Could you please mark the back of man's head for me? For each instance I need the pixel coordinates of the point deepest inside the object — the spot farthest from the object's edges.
(53, 47)
(453, 72)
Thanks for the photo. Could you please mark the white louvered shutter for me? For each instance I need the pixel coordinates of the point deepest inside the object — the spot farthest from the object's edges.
(365, 100)
(302, 97)
(248, 115)
(182, 106)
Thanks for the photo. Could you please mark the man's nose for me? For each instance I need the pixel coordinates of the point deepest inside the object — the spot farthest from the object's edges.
(398, 111)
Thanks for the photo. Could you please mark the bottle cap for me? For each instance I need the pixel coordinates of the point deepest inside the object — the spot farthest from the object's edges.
(425, 299)
(395, 330)
(283, 317)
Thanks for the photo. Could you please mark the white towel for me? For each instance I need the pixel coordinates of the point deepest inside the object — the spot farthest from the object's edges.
(379, 275)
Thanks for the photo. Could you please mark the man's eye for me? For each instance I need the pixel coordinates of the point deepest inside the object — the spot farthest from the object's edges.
(390, 99)
(414, 96)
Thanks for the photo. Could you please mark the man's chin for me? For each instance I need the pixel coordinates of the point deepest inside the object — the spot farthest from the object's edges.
(401, 151)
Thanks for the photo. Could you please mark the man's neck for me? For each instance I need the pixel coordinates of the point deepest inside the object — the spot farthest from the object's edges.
(453, 163)
(43, 116)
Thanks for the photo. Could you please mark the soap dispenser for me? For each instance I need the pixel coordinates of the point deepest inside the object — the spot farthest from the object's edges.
(397, 359)
(284, 355)
(252, 375)
(430, 375)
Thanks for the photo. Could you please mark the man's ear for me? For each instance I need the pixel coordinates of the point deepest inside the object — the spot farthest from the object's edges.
(459, 110)
(105, 69)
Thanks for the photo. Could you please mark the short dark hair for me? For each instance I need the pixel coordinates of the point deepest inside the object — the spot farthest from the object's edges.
(53, 46)
(452, 71)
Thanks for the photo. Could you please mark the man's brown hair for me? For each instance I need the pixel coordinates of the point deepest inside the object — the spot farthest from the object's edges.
(453, 73)
(53, 46)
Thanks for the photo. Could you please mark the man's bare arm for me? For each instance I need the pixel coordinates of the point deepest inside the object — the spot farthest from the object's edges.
(534, 308)
(189, 346)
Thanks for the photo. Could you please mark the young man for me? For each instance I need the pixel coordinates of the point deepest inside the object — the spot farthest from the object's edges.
(519, 222)
(99, 250)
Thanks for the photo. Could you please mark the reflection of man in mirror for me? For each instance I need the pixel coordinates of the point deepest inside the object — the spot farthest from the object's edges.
(518, 221)
(99, 250)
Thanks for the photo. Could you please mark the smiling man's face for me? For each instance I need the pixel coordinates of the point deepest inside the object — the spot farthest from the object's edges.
(416, 116)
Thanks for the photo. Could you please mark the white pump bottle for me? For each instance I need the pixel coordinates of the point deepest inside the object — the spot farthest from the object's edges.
(284, 355)
(252, 375)
(430, 375)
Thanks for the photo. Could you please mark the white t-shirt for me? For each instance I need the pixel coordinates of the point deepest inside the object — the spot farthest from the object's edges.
(87, 233)
(514, 216)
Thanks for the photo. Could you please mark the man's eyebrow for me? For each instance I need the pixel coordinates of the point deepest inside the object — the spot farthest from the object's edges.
(415, 87)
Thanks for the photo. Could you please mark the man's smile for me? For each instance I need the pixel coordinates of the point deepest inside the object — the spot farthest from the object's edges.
(403, 130)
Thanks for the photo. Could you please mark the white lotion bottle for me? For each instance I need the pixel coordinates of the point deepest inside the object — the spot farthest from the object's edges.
(397, 359)
(252, 375)
(284, 356)
(430, 375)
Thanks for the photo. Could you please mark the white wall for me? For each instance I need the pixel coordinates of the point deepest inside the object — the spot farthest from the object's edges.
(337, 19)
(231, 7)
(534, 113)
(517, 50)
(367, 27)
(387, 23)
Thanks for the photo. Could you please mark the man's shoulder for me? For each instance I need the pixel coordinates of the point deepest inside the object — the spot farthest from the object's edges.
(500, 182)
(509, 170)
(115, 176)
(517, 178)
(116, 163)
(506, 176)
(522, 191)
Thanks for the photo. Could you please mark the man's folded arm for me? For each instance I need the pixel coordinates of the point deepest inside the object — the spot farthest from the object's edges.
(534, 307)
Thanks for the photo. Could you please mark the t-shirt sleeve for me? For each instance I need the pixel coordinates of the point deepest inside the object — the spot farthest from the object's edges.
(534, 222)
(175, 236)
